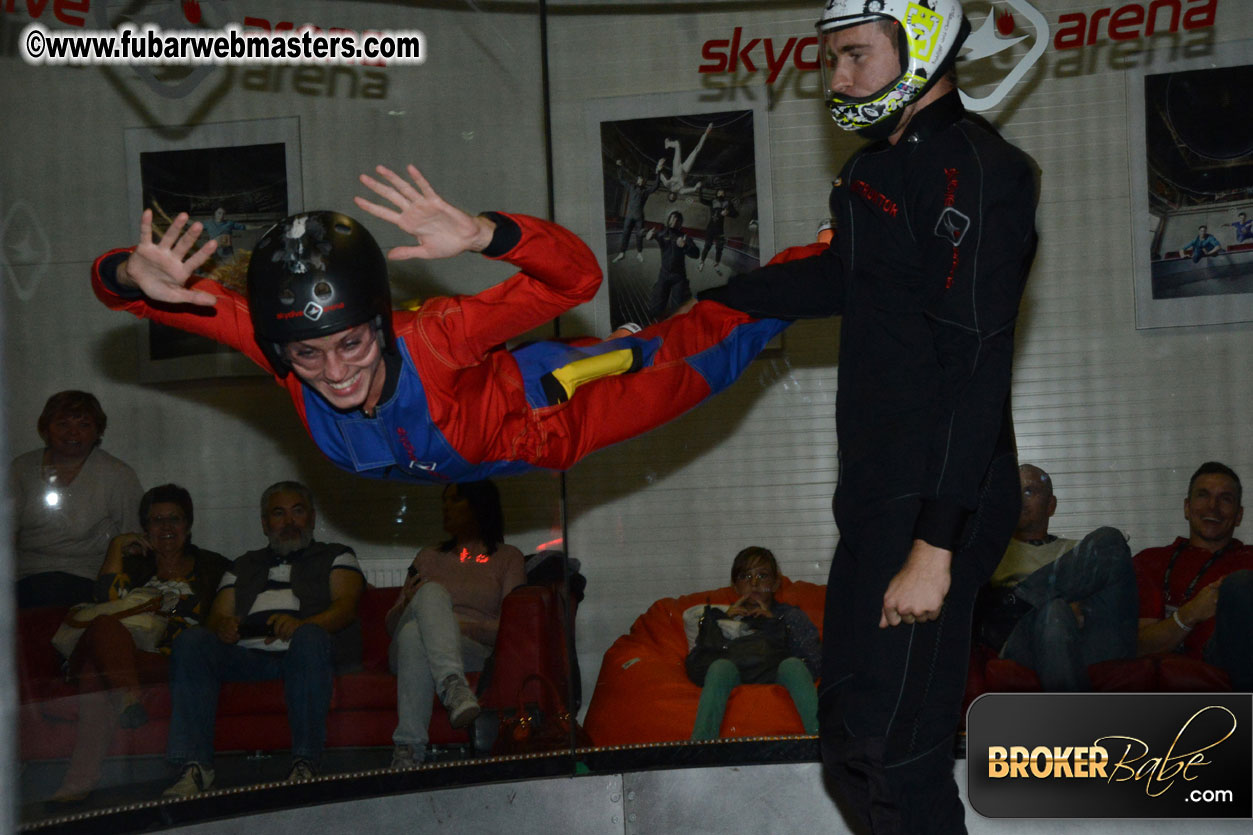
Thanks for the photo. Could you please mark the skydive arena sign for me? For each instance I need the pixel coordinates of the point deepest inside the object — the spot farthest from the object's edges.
(1008, 40)
(1111, 755)
(999, 35)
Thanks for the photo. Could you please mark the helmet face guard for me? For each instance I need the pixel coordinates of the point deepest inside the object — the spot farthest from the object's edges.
(314, 274)
(928, 38)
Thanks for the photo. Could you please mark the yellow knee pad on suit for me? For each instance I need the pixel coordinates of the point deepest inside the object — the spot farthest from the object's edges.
(569, 377)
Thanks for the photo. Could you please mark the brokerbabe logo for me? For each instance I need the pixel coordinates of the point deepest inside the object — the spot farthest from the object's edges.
(1109, 755)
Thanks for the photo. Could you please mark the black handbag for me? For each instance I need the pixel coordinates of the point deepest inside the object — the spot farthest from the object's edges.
(997, 612)
(756, 654)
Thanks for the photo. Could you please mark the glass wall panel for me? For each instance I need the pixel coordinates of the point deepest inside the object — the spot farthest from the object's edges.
(637, 104)
(238, 147)
(634, 125)
(744, 154)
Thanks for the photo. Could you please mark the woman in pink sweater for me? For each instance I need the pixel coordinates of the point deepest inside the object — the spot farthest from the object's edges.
(445, 618)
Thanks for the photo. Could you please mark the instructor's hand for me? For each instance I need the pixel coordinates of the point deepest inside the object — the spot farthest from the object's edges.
(917, 592)
(442, 230)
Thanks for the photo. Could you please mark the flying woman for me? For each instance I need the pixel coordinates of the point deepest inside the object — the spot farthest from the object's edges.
(429, 395)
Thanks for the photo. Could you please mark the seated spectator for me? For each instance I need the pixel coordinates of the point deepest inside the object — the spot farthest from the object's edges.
(445, 619)
(107, 665)
(1057, 605)
(69, 500)
(755, 576)
(287, 611)
(1196, 594)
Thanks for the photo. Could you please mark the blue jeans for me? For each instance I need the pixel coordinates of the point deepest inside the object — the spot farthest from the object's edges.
(723, 677)
(1098, 574)
(200, 662)
(1231, 648)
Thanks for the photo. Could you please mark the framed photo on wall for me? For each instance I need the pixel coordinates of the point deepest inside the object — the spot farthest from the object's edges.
(236, 178)
(684, 187)
(1192, 190)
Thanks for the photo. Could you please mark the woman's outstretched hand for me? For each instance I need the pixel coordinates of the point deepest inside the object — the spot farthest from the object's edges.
(161, 269)
(442, 230)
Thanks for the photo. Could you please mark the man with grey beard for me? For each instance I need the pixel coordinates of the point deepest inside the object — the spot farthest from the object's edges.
(287, 611)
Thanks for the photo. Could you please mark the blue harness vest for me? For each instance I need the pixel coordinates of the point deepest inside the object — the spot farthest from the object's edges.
(400, 442)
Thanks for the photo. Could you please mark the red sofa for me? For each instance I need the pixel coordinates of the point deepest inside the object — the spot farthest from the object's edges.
(1164, 673)
(252, 715)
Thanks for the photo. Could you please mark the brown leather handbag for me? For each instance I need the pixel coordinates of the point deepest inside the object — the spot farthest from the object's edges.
(526, 729)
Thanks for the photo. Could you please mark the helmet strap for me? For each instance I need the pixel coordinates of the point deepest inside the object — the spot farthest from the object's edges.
(883, 128)
(380, 333)
(278, 358)
(886, 127)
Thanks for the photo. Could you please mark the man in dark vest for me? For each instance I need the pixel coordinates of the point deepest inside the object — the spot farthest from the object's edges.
(287, 611)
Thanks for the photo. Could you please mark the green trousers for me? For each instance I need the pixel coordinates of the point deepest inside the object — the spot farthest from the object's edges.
(723, 677)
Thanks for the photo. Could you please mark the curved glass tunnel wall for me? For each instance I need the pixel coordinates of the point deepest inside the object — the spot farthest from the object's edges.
(105, 142)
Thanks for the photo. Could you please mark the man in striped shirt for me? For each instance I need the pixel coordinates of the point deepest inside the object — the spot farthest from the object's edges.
(287, 611)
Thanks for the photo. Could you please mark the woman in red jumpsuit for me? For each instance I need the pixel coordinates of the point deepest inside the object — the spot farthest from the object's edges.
(429, 395)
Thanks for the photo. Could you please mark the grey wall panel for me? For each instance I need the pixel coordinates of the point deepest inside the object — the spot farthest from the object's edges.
(774, 799)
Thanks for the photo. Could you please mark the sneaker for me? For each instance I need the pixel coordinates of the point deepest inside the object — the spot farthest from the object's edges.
(194, 780)
(65, 801)
(301, 770)
(619, 257)
(463, 708)
(639, 256)
(403, 757)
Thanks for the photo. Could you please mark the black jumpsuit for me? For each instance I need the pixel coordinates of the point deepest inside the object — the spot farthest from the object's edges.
(637, 196)
(715, 234)
(671, 288)
(935, 238)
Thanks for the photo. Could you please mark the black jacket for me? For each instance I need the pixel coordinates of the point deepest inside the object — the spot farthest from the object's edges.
(674, 257)
(935, 236)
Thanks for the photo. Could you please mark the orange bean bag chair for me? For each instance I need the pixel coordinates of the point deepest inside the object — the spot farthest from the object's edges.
(643, 693)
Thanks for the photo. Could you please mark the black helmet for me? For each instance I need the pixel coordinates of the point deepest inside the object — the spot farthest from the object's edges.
(671, 217)
(314, 274)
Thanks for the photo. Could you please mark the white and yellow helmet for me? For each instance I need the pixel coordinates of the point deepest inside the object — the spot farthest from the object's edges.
(931, 32)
